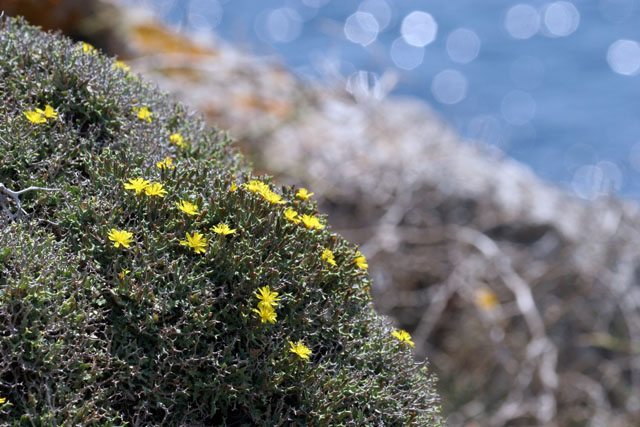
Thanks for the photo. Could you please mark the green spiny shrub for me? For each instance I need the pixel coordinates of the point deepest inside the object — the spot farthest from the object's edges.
(112, 314)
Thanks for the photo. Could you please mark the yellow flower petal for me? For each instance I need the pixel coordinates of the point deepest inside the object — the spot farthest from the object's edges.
(403, 336)
(311, 222)
(197, 242)
(143, 113)
(299, 349)
(304, 194)
(177, 139)
(35, 116)
(120, 237)
(266, 312)
(267, 297)
(486, 299)
(223, 229)
(155, 189)
(188, 207)
(137, 184)
(327, 256)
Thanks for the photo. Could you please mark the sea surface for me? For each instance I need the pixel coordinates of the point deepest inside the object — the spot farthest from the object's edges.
(554, 84)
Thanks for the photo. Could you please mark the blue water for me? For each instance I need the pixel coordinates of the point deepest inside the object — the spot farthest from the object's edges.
(543, 90)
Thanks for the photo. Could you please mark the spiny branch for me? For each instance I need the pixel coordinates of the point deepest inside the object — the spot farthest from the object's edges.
(6, 195)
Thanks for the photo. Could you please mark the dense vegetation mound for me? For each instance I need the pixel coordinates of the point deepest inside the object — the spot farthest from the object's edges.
(147, 278)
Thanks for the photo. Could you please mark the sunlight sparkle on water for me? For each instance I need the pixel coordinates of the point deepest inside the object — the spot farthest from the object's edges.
(204, 16)
(561, 18)
(522, 21)
(361, 28)
(591, 181)
(281, 25)
(623, 57)
(406, 56)
(379, 9)
(449, 86)
(463, 45)
(419, 28)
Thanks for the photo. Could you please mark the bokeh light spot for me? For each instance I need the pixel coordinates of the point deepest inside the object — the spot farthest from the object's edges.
(623, 57)
(406, 56)
(419, 28)
(463, 45)
(379, 9)
(561, 18)
(587, 182)
(591, 181)
(203, 16)
(281, 25)
(361, 28)
(449, 86)
(522, 21)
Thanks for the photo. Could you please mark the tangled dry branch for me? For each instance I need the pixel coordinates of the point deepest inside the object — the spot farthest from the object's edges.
(8, 196)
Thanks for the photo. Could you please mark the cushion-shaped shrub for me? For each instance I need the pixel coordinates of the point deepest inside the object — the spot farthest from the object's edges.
(146, 278)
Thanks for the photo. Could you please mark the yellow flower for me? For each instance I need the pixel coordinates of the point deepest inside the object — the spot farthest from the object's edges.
(137, 184)
(2, 400)
(223, 229)
(303, 194)
(361, 261)
(188, 207)
(155, 189)
(233, 187)
(267, 313)
(403, 336)
(120, 237)
(266, 297)
(197, 242)
(327, 256)
(256, 186)
(49, 112)
(486, 299)
(272, 197)
(35, 116)
(311, 222)
(121, 65)
(143, 113)
(123, 273)
(259, 187)
(87, 48)
(291, 215)
(301, 350)
(176, 139)
(167, 163)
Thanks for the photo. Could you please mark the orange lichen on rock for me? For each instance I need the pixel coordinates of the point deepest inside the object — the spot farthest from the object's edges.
(151, 38)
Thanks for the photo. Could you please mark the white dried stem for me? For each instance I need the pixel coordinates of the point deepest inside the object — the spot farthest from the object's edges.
(6, 195)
